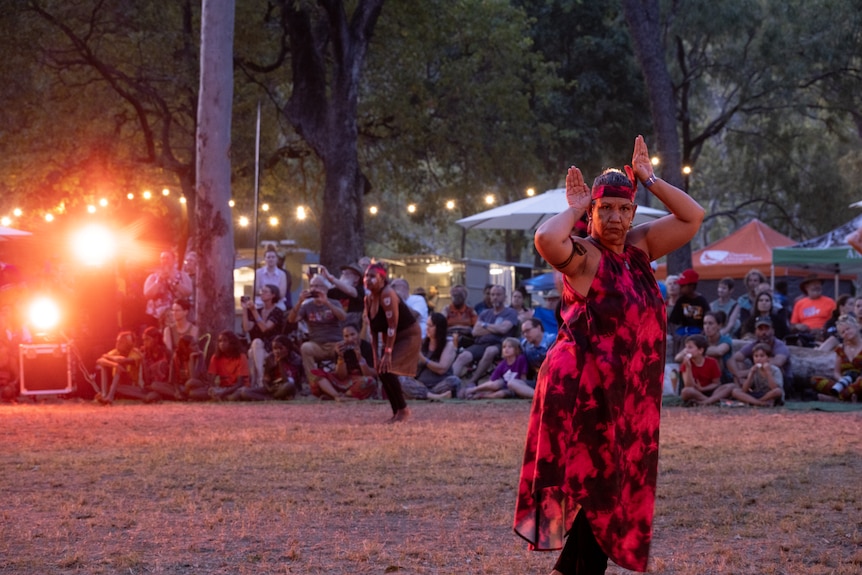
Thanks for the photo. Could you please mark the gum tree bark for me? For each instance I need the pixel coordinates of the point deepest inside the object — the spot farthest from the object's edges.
(327, 50)
(214, 302)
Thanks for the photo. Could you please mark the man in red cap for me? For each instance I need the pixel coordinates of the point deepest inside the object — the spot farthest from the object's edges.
(687, 314)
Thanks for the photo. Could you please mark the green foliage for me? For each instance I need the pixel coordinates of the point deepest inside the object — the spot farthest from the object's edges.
(446, 114)
(592, 114)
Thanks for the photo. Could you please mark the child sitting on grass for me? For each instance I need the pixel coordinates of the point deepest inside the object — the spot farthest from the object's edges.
(764, 385)
(701, 374)
(509, 378)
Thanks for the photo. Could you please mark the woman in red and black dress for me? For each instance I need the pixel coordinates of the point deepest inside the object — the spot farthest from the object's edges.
(591, 456)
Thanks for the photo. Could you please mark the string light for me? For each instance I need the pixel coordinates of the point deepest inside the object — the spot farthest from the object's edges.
(531, 192)
(411, 208)
(17, 212)
(686, 170)
(243, 221)
(372, 210)
(301, 213)
(265, 207)
(273, 221)
(490, 199)
(147, 194)
(450, 204)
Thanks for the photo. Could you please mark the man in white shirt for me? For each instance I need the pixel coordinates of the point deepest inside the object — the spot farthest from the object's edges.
(417, 303)
(271, 274)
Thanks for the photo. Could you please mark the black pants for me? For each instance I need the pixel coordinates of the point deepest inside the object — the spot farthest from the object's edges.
(392, 387)
(581, 554)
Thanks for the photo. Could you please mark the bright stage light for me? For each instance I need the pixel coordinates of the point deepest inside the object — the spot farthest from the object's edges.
(94, 245)
(44, 314)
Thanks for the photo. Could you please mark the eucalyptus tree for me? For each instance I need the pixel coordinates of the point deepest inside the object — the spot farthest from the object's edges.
(214, 243)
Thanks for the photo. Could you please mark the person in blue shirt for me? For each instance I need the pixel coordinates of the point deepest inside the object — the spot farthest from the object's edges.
(548, 313)
(536, 342)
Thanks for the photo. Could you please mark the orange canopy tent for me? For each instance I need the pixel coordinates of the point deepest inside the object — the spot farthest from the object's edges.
(748, 247)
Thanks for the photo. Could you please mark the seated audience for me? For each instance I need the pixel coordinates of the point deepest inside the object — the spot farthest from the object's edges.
(745, 303)
(509, 377)
(280, 372)
(844, 304)
(690, 307)
(811, 312)
(460, 317)
(494, 325)
(348, 290)
(262, 324)
(354, 376)
(779, 354)
(323, 316)
(417, 304)
(764, 383)
(524, 313)
(156, 364)
(548, 312)
(845, 383)
(179, 324)
(536, 343)
(725, 303)
(672, 293)
(701, 375)
(119, 367)
(187, 364)
(434, 379)
(227, 371)
(764, 306)
(486, 299)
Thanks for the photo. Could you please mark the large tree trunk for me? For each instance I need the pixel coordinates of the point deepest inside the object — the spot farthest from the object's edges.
(642, 17)
(214, 298)
(327, 54)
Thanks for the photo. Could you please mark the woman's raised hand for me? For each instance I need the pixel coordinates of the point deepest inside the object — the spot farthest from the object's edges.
(577, 192)
(641, 162)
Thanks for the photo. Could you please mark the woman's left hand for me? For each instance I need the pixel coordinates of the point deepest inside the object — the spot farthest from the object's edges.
(641, 162)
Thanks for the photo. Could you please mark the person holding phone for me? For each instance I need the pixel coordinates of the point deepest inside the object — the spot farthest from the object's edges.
(322, 316)
(353, 377)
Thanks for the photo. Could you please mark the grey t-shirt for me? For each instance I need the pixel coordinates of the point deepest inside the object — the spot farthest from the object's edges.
(323, 326)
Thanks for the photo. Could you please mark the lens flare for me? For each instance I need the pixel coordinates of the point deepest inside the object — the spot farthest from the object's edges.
(94, 245)
(44, 314)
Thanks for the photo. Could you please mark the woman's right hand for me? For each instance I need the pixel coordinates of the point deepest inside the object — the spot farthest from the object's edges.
(577, 191)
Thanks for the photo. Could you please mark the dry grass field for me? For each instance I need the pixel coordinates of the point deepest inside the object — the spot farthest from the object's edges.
(312, 488)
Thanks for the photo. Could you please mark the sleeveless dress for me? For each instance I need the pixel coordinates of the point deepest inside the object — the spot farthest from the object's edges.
(408, 339)
(592, 440)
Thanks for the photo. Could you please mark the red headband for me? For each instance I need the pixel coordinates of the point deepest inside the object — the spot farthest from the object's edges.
(615, 191)
(381, 271)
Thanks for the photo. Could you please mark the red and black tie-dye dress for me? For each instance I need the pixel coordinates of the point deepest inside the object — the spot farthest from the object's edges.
(592, 441)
